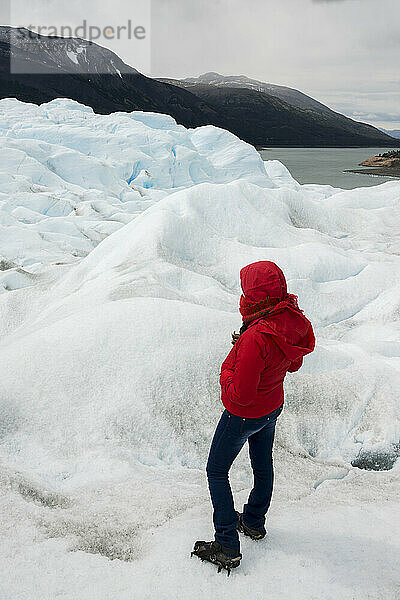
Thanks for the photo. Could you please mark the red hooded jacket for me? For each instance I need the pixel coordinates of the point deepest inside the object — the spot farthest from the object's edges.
(253, 372)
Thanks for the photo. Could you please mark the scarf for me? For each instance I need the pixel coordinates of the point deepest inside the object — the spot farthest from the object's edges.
(254, 310)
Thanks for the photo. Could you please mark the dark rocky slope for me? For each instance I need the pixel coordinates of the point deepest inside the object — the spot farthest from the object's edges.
(270, 120)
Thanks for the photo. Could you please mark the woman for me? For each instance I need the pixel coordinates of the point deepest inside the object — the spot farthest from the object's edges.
(273, 339)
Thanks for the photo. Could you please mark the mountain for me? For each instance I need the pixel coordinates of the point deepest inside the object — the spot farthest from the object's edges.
(44, 68)
(277, 115)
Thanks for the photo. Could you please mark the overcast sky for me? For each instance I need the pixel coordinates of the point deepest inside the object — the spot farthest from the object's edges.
(345, 53)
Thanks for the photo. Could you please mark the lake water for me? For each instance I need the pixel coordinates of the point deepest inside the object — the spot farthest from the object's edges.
(327, 165)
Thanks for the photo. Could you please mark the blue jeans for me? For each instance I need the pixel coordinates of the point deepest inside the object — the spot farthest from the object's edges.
(230, 435)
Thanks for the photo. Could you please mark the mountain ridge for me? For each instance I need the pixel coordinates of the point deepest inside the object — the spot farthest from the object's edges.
(287, 94)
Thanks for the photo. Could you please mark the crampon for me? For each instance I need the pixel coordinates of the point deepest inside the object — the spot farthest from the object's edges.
(214, 553)
(254, 534)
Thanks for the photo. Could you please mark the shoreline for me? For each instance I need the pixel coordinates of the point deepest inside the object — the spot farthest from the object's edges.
(259, 148)
(380, 171)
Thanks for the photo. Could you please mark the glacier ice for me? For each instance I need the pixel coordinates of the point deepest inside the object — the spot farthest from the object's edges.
(121, 240)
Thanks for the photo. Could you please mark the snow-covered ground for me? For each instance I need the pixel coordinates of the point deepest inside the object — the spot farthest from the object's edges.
(121, 240)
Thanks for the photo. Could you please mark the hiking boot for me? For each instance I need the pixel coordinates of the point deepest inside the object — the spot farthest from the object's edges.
(254, 534)
(213, 552)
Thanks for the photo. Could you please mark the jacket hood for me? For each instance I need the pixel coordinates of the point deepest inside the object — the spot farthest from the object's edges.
(290, 329)
(262, 279)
